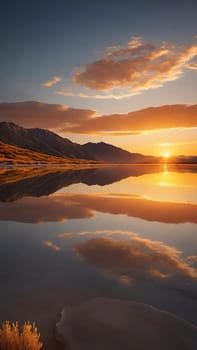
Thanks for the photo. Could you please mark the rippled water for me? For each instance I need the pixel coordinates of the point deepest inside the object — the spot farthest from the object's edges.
(67, 236)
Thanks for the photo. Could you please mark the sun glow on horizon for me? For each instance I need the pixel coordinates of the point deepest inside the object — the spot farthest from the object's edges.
(166, 155)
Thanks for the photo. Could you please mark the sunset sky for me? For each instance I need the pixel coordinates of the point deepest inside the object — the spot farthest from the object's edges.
(122, 72)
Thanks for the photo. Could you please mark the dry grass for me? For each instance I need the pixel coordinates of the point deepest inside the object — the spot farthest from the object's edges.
(12, 338)
(15, 155)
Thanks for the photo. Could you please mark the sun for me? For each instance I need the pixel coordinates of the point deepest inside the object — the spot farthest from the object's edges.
(166, 155)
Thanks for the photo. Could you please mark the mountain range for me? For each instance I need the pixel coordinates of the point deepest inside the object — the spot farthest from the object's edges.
(19, 145)
(48, 143)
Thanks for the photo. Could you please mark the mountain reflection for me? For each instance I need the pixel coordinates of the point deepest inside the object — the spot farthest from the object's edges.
(133, 259)
(36, 182)
(60, 207)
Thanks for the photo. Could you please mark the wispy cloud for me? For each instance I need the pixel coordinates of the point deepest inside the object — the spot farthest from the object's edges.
(137, 66)
(51, 82)
(175, 143)
(192, 258)
(106, 96)
(64, 92)
(192, 66)
(66, 235)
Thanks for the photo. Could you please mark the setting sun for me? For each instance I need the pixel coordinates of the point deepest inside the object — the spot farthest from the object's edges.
(166, 155)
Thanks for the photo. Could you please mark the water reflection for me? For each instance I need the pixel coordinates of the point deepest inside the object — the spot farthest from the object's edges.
(36, 182)
(134, 259)
(165, 169)
(58, 244)
(73, 206)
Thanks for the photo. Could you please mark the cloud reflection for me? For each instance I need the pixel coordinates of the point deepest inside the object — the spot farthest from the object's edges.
(45, 209)
(136, 258)
(52, 245)
(72, 206)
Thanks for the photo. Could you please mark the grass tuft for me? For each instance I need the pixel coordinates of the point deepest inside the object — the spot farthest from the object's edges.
(12, 338)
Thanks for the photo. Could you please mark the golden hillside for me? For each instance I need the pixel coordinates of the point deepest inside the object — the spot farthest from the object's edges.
(15, 155)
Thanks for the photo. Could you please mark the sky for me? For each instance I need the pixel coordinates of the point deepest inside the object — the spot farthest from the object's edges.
(122, 72)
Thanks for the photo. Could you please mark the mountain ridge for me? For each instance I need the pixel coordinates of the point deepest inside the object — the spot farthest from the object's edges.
(47, 142)
(39, 140)
(112, 153)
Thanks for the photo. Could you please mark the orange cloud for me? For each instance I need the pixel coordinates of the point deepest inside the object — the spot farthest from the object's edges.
(63, 119)
(192, 258)
(73, 206)
(137, 258)
(138, 66)
(52, 82)
(152, 118)
(32, 114)
(192, 66)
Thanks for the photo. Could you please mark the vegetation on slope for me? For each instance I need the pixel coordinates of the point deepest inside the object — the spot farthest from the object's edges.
(15, 155)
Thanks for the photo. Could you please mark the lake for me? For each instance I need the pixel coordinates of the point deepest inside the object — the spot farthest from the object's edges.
(121, 232)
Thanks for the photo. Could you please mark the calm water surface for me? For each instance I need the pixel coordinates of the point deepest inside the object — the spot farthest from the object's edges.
(120, 232)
